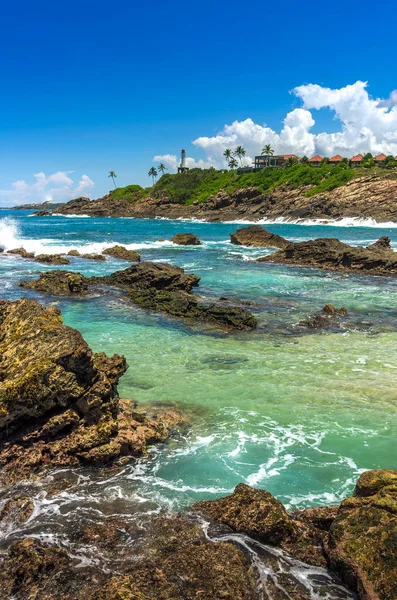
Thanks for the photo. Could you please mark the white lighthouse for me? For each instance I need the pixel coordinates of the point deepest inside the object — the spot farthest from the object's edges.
(182, 167)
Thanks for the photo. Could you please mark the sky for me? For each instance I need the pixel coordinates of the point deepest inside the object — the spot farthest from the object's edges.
(89, 87)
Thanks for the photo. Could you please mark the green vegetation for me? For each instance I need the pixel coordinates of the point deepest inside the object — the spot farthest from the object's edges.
(133, 193)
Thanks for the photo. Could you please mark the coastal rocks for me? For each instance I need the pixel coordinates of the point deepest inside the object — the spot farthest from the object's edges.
(74, 253)
(362, 542)
(261, 516)
(330, 253)
(186, 239)
(22, 252)
(122, 253)
(58, 283)
(42, 213)
(52, 259)
(97, 257)
(329, 316)
(257, 236)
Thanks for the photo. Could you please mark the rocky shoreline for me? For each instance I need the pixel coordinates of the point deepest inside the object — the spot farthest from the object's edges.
(369, 197)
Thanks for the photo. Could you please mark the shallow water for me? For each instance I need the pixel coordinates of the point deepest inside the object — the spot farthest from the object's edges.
(300, 414)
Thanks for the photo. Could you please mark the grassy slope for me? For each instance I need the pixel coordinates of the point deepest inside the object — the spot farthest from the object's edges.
(197, 185)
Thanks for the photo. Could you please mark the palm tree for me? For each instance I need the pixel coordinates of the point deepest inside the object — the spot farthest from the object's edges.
(152, 173)
(233, 164)
(113, 175)
(162, 168)
(228, 155)
(268, 151)
(240, 152)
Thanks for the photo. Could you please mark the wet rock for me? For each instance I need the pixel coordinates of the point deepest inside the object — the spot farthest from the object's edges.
(320, 517)
(330, 253)
(52, 259)
(98, 257)
(42, 213)
(149, 275)
(22, 252)
(186, 239)
(122, 253)
(362, 542)
(383, 243)
(257, 236)
(74, 253)
(58, 283)
(261, 516)
(16, 510)
(329, 316)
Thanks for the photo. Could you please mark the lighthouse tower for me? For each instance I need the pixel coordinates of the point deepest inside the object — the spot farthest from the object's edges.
(182, 167)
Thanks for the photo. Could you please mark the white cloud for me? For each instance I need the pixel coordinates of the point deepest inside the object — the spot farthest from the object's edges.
(57, 187)
(172, 162)
(366, 125)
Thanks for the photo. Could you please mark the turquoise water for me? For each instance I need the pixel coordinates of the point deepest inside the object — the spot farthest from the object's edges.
(300, 414)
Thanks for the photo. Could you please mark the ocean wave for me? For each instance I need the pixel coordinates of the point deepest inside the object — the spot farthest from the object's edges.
(343, 222)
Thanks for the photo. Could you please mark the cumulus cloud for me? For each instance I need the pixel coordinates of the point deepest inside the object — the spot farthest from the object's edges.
(366, 125)
(57, 187)
(172, 162)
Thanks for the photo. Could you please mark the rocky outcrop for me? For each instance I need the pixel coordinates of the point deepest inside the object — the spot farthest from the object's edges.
(368, 196)
(122, 253)
(330, 253)
(52, 259)
(22, 252)
(58, 400)
(42, 213)
(157, 287)
(186, 239)
(257, 236)
(329, 316)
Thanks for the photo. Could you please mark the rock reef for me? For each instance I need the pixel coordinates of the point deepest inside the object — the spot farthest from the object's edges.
(122, 253)
(257, 236)
(330, 253)
(186, 239)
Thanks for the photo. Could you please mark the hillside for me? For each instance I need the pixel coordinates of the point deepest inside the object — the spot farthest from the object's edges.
(300, 191)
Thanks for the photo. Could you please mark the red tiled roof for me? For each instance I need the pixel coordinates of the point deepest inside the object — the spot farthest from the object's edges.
(357, 158)
(287, 156)
(316, 158)
(381, 157)
(336, 158)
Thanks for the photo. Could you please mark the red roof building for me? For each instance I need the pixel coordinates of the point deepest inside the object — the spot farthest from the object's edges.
(336, 159)
(287, 156)
(316, 158)
(380, 157)
(357, 159)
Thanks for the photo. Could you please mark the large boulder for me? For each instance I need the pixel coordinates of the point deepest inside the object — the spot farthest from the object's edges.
(122, 253)
(362, 542)
(52, 259)
(257, 236)
(58, 283)
(186, 239)
(22, 252)
(149, 275)
(330, 253)
(58, 400)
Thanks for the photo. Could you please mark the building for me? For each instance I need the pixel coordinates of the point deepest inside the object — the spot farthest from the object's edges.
(336, 160)
(357, 160)
(315, 161)
(380, 158)
(182, 167)
(273, 160)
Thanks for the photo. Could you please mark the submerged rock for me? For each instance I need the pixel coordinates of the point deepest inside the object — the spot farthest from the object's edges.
(58, 400)
(122, 253)
(330, 253)
(22, 252)
(186, 239)
(52, 259)
(329, 316)
(257, 236)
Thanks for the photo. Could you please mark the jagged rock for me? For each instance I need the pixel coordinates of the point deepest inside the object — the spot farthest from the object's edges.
(98, 257)
(74, 253)
(257, 236)
(22, 252)
(383, 243)
(16, 510)
(122, 253)
(58, 283)
(362, 542)
(258, 514)
(320, 517)
(148, 275)
(52, 259)
(329, 316)
(186, 239)
(330, 253)
(42, 213)
(58, 401)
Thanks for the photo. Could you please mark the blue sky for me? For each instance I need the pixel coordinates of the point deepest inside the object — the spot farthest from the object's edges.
(92, 86)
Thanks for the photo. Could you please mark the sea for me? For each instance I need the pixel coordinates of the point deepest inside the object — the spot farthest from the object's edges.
(298, 412)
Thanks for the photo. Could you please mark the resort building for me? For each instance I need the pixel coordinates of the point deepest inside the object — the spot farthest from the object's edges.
(380, 157)
(357, 160)
(315, 161)
(275, 160)
(336, 160)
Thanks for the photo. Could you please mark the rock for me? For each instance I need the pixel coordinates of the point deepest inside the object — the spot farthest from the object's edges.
(42, 213)
(320, 517)
(98, 257)
(362, 542)
(16, 511)
(257, 236)
(58, 400)
(22, 252)
(149, 275)
(186, 239)
(261, 516)
(122, 253)
(330, 253)
(58, 283)
(329, 316)
(383, 243)
(74, 253)
(52, 259)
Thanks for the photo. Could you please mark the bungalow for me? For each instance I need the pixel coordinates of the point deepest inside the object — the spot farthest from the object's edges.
(336, 160)
(380, 157)
(357, 160)
(275, 160)
(315, 161)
